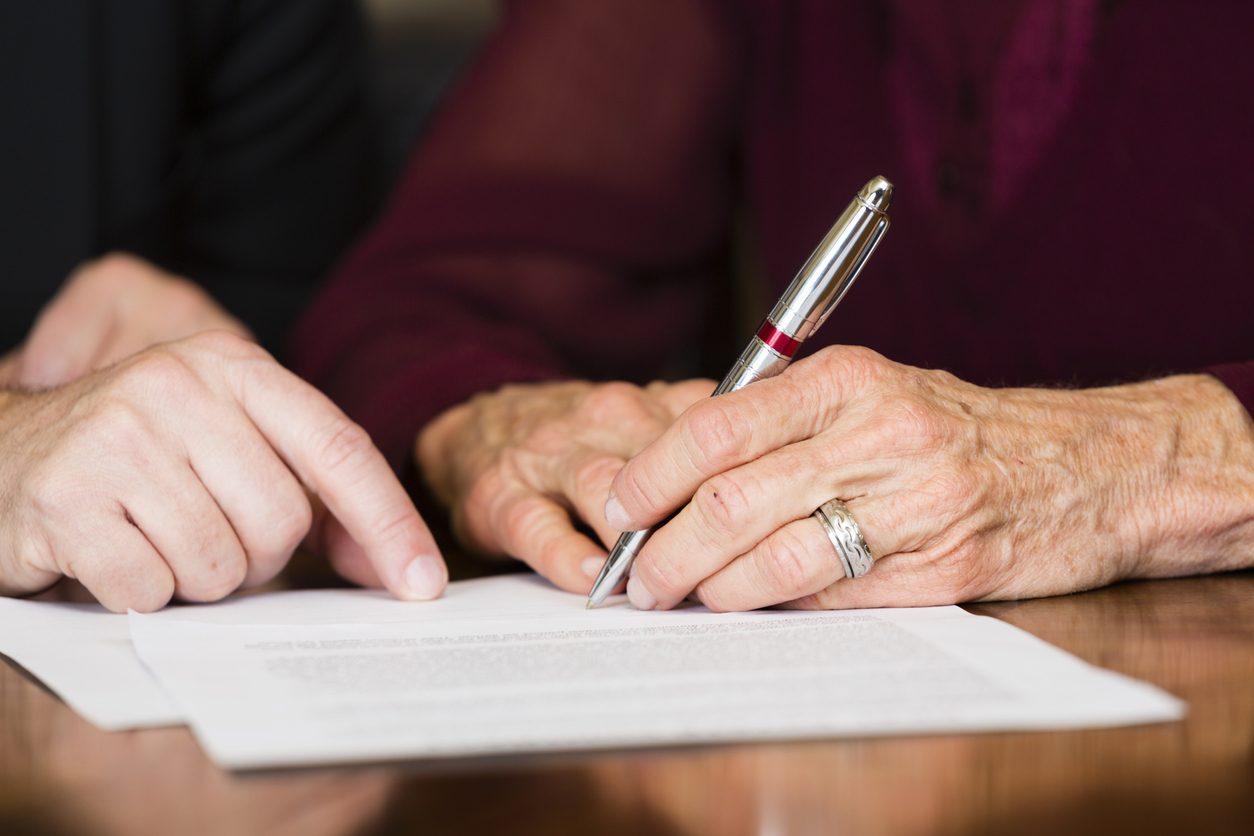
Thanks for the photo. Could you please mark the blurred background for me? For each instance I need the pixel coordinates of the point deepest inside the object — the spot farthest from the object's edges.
(420, 47)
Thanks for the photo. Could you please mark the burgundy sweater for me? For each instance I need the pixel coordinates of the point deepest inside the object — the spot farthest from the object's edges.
(1075, 195)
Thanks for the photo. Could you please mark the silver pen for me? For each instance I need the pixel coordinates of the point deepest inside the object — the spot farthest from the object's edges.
(807, 302)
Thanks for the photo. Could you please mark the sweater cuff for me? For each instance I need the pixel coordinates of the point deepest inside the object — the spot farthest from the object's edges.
(399, 406)
(1239, 377)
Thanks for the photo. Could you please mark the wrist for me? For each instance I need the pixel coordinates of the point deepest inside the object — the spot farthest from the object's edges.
(1192, 507)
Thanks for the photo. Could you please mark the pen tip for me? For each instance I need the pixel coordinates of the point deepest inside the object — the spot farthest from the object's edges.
(589, 605)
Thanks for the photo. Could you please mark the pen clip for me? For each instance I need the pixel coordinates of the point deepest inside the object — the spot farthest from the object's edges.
(872, 243)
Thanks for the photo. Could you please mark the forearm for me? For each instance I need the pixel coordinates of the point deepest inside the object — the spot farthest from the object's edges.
(288, 174)
(394, 349)
(1147, 480)
(533, 259)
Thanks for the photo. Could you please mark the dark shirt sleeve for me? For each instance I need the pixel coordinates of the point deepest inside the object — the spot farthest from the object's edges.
(561, 218)
(282, 166)
(1239, 377)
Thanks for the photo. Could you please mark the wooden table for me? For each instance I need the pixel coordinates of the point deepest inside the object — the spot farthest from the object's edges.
(1193, 637)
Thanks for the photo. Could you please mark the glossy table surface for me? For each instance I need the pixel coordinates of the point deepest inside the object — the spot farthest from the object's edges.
(1193, 637)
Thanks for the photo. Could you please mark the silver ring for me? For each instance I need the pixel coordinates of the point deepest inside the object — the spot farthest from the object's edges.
(842, 529)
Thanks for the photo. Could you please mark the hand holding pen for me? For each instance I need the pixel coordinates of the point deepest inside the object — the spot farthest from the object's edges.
(804, 306)
(519, 465)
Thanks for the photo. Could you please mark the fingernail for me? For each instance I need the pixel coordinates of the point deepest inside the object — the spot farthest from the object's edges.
(424, 578)
(639, 596)
(616, 516)
(591, 566)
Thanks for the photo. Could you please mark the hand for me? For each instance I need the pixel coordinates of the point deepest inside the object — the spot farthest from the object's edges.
(516, 464)
(109, 309)
(183, 470)
(962, 492)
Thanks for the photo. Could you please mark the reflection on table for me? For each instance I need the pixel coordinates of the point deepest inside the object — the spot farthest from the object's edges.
(1193, 637)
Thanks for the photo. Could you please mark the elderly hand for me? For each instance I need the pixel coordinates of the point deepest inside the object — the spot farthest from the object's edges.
(961, 492)
(515, 464)
(183, 470)
(109, 309)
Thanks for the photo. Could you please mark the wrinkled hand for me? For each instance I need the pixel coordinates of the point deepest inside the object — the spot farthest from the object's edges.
(183, 470)
(109, 309)
(515, 465)
(962, 492)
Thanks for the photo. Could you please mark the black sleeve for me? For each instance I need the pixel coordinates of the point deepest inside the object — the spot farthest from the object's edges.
(285, 153)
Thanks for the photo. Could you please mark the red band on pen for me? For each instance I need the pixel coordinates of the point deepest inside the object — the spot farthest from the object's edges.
(777, 340)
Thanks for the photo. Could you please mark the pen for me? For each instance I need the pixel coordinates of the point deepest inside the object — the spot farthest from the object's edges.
(807, 302)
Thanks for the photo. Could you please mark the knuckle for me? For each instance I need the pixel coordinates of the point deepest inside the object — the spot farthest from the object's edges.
(55, 492)
(223, 574)
(785, 563)
(141, 597)
(959, 568)
(911, 423)
(958, 574)
(591, 480)
(340, 444)
(118, 429)
(713, 435)
(226, 575)
(118, 583)
(284, 531)
(402, 528)
(950, 487)
(485, 492)
(227, 344)
(548, 439)
(853, 362)
(608, 402)
(715, 600)
(160, 374)
(635, 488)
(479, 519)
(665, 575)
(550, 555)
(519, 522)
(723, 503)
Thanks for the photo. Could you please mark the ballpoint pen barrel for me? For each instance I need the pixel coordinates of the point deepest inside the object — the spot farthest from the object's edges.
(757, 362)
(830, 272)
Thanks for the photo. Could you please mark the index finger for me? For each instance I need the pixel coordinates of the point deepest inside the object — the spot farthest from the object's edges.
(718, 434)
(336, 460)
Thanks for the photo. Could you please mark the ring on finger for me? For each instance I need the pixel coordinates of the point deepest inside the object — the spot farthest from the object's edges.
(842, 529)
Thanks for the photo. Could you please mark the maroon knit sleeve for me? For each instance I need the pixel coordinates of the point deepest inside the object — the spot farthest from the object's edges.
(1239, 377)
(572, 191)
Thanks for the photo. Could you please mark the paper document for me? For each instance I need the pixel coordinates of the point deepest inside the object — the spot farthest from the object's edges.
(83, 653)
(509, 664)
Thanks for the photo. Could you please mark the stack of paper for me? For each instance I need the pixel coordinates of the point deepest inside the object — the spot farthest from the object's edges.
(510, 664)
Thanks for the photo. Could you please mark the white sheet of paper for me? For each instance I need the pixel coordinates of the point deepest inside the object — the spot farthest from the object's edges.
(83, 653)
(507, 665)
